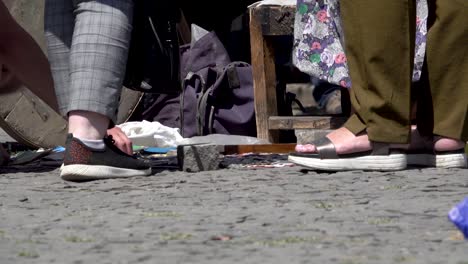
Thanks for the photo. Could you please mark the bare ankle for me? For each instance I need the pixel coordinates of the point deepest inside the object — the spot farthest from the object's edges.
(87, 125)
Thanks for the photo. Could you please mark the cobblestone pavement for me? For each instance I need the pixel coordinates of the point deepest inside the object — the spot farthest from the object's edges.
(268, 215)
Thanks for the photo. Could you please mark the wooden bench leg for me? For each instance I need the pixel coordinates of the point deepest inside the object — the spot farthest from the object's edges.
(264, 77)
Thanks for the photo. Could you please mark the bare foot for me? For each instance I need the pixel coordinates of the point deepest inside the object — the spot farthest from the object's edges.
(422, 152)
(438, 143)
(345, 142)
(447, 144)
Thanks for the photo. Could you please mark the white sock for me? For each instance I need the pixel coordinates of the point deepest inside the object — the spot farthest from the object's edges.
(93, 143)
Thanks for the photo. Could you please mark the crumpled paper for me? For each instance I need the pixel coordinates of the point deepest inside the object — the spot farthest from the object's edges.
(151, 134)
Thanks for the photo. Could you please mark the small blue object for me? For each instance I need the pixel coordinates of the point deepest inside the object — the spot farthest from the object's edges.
(59, 149)
(459, 216)
(154, 150)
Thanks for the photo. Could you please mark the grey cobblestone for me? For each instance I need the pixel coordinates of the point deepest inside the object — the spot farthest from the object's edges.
(198, 157)
(281, 215)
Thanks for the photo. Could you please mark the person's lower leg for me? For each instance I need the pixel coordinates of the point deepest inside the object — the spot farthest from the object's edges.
(87, 125)
(380, 57)
(447, 66)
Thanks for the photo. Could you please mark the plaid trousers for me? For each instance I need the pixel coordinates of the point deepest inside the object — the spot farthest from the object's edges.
(87, 43)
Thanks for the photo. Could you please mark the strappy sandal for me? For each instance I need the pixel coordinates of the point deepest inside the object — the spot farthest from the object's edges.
(429, 157)
(380, 158)
(438, 159)
(425, 155)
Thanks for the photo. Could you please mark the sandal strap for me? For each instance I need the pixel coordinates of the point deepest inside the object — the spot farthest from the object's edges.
(379, 148)
(325, 148)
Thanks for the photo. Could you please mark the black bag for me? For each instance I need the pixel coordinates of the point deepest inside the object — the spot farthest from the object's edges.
(217, 94)
(223, 101)
(153, 64)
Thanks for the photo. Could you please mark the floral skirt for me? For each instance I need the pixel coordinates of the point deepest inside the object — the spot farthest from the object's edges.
(318, 41)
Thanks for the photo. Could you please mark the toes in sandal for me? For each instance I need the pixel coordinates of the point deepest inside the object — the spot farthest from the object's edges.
(380, 158)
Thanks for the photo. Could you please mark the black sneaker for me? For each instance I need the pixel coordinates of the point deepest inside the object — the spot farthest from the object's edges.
(82, 163)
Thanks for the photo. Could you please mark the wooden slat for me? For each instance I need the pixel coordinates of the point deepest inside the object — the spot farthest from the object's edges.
(305, 122)
(264, 78)
(183, 28)
(267, 148)
(277, 20)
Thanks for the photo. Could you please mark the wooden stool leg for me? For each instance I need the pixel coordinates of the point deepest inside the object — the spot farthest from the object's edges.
(264, 77)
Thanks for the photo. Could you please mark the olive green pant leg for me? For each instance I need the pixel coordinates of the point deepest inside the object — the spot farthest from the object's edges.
(379, 43)
(448, 68)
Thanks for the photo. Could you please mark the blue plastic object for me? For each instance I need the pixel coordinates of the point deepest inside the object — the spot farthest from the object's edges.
(58, 149)
(155, 150)
(459, 216)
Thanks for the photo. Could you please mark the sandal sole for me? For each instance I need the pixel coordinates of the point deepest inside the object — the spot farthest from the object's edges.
(392, 162)
(458, 160)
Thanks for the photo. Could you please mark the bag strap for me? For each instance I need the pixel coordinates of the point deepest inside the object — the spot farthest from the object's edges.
(232, 74)
(214, 74)
(201, 113)
(201, 106)
(192, 77)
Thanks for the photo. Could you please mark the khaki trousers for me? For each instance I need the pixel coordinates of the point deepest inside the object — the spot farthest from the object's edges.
(380, 45)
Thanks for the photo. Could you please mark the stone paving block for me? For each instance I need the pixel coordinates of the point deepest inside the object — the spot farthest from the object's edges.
(198, 157)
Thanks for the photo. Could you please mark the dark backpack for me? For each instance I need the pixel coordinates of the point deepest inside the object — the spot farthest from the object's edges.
(217, 94)
(153, 64)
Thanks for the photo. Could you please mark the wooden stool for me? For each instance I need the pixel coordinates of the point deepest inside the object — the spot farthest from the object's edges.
(267, 22)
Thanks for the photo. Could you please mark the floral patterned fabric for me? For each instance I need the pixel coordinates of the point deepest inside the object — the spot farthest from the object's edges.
(318, 41)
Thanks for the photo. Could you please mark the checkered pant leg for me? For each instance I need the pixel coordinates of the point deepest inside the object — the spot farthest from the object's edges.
(97, 54)
(58, 26)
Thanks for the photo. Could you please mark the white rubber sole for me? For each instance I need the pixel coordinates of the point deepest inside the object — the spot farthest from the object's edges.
(79, 172)
(458, 160)
(392, 162)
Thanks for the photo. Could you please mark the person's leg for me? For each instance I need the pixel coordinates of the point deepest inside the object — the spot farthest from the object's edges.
(98, 57)
(58, 27)
(447, 64)
(442, 115)
(97, 64)
(379, 47)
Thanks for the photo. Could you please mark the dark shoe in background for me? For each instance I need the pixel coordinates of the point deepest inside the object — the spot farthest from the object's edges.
(332, 103)
(332, 99)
